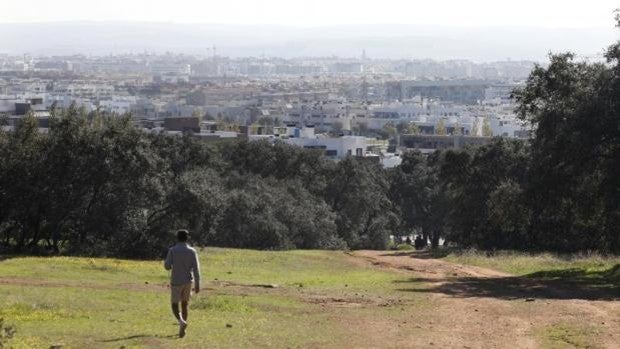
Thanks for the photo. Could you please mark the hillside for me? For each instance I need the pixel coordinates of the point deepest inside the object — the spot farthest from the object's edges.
(307, 299)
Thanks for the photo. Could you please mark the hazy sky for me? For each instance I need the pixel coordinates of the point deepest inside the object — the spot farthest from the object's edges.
(530, 13)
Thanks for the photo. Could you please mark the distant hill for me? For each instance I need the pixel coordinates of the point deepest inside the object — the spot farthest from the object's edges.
(380, 41)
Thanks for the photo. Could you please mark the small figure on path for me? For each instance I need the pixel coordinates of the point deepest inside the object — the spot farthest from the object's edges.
(419, 242)
(408, 240)
(183, 260)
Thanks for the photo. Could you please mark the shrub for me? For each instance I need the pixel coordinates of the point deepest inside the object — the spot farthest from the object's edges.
(6, 333)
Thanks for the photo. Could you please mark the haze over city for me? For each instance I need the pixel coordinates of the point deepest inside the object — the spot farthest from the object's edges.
(474, 13)
(479, 30)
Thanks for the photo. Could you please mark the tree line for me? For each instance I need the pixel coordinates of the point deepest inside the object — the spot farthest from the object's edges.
(94, 184)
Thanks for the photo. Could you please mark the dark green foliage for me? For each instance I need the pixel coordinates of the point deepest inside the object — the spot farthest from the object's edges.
(508, 217)
(96, 185)
(77, 186)
(472, 197)
(358, 194)
(574, 192)
(420, 196)
(267, 213)
(477, 183)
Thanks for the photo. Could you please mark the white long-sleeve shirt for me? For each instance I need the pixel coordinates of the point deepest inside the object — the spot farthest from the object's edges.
(183, 260)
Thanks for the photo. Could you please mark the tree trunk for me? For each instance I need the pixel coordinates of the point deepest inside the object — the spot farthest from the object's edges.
(36, 228)
(55, 236)
(425, 237)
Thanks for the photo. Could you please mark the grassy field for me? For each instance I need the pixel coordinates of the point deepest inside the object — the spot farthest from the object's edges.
(293, 299)
(522, 264)
(80, 302)
(586, 270)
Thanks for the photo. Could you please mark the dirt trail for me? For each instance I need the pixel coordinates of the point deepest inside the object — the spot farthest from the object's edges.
(475, 307)
(423, 266)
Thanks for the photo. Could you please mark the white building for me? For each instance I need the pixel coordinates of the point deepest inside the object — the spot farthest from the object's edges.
(118, 105)
(507, 126)
(337, 148)
(333, 147)
(499, 94)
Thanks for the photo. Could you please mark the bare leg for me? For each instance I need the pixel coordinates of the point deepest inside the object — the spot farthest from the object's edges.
(180, 318)
(175, 311)
(184, 310)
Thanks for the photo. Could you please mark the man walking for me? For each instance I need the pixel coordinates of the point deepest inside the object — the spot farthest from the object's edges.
(183, 260)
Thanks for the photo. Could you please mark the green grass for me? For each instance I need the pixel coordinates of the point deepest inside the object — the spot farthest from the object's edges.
(587, 271)
(316, 269)
(568, 335)
(404, 247)
(522, 264)
(109, 303)
(78, 271)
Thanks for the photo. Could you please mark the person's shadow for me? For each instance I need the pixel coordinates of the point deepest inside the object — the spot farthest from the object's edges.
(136, 336)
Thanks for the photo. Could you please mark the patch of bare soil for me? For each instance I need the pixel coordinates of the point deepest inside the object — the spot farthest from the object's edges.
(472, 307)
(347, 301)
(15, 281)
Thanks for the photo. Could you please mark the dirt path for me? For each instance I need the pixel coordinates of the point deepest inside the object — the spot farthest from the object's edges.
(423, 266)
(474, 307)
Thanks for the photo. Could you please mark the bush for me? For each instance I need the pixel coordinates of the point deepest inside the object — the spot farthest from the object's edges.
(7, 332)
(403, 247)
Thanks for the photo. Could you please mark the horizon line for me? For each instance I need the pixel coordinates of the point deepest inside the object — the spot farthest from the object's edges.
(306, 26)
